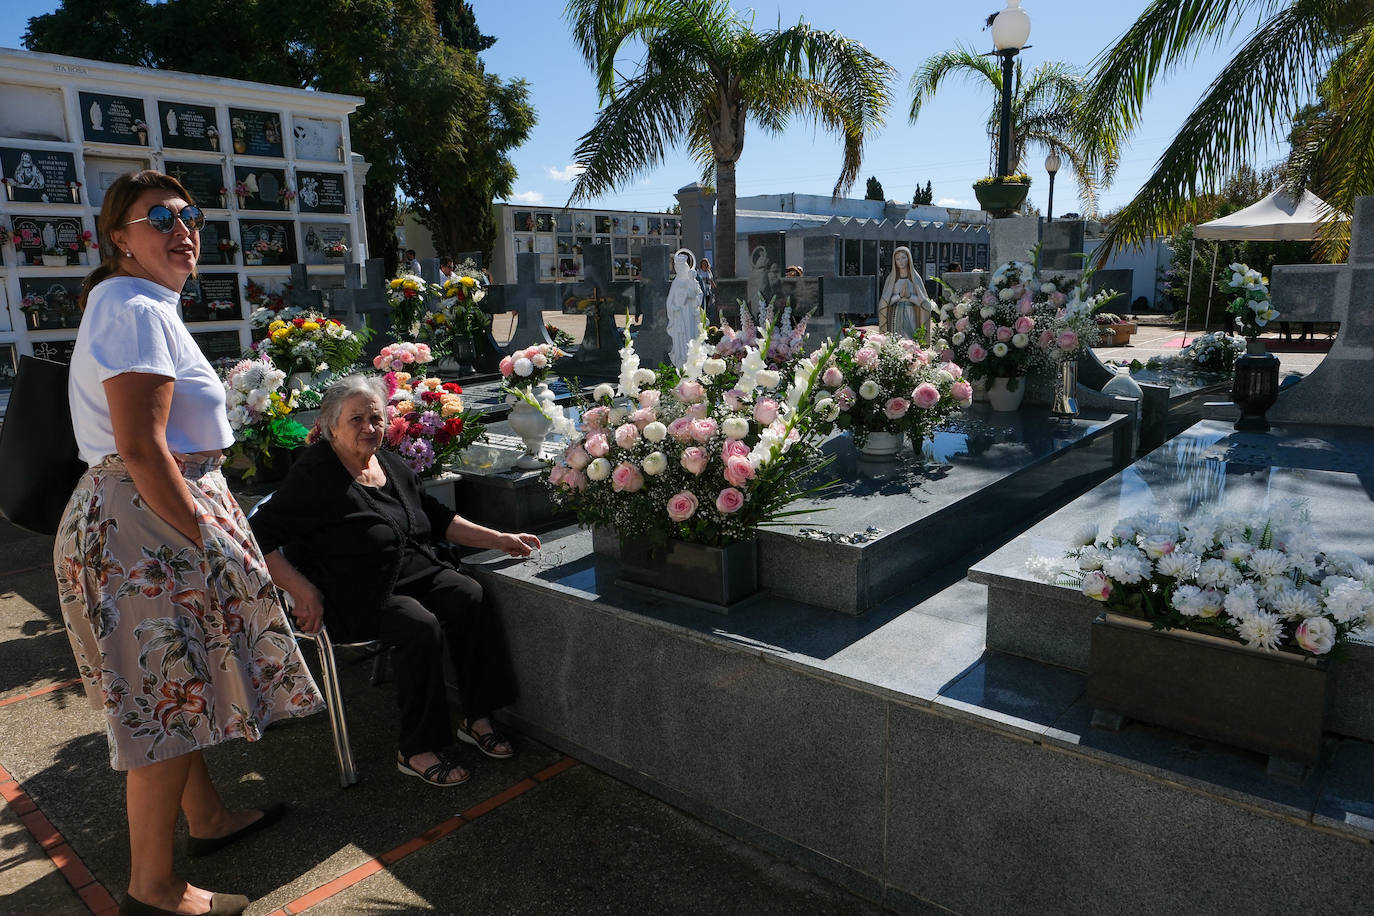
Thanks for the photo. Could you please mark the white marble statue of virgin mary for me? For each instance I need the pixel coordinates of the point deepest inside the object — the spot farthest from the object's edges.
(684, 305)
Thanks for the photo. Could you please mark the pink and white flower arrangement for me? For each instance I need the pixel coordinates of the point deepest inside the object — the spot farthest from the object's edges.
(882, 383)
(705, 454)
(1262, 581)
(396, 357)
(530, 366)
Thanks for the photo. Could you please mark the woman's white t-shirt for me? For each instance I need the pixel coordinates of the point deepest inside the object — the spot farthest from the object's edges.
(131, 325)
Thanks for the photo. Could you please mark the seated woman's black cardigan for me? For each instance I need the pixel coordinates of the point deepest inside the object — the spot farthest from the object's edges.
(323, 523)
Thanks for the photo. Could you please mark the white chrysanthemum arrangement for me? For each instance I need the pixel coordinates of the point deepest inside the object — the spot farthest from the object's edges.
(1263, 582)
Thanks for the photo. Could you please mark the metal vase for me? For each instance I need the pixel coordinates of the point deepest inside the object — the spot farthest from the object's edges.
(1255, 386)
(1065, 387)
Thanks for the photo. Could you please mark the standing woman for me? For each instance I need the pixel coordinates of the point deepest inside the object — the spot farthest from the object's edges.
(177, 632)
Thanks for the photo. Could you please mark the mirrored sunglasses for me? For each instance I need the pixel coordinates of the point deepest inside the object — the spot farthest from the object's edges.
(163, 219)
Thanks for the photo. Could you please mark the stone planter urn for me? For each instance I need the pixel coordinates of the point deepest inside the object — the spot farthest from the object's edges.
(1001, 199)
(881, 446)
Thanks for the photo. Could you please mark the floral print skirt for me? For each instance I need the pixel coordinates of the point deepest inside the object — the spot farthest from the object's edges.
(183, 648)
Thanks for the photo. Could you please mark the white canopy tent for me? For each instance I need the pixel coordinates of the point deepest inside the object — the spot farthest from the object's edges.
(1273, 218)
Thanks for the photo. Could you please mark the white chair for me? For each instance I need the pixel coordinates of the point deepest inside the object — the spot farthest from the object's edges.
(329, 673)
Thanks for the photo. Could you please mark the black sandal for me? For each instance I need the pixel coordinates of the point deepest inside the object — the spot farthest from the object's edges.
(433, 773)
(486, 743)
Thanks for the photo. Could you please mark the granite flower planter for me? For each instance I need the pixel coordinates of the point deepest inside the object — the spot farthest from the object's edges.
(717, 576)
(1214, 688)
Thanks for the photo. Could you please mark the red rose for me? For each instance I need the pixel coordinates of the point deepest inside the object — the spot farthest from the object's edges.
(453, 426)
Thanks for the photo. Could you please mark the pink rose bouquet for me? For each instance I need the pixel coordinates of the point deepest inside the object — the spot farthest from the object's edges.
(706, 453)
(882, 383)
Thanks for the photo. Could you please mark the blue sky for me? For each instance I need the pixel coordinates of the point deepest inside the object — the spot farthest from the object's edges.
(946, 146)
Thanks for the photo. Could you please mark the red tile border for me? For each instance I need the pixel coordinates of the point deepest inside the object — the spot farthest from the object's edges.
(41, 691)
(65, 859)
(415, 844)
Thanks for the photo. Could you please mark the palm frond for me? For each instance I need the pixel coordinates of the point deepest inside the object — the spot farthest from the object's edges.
(1254, 94)
(962, 61)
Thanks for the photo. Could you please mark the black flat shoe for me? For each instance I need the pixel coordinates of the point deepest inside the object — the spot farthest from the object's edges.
(197, 846)
(220, 905)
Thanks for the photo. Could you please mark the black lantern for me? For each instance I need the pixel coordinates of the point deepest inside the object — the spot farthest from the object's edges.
(1255, 387)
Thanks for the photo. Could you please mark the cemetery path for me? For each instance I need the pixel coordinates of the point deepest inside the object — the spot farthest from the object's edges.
(541, 833)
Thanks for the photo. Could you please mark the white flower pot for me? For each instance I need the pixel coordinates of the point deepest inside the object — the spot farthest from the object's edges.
(882, 446)
(531, 425)
(54, 260)
(1002, 399)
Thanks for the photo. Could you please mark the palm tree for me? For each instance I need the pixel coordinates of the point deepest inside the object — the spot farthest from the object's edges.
(1302, 51)
(704, 74)
(1043, 109)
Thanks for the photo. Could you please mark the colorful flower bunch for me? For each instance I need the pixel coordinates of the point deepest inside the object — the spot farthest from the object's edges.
(1264, 582)
(706, 454)
(228, 246)
(267, 306)
(1073, 325)
(786, 342)
(890, 384)
(260, 412)
(335, 250)
(1250, 302)
(33, 302)
(427, 424)
(312, 343)
(268, 247)
(530, 366)
(396, 357)
(437, 313)
(1214, 352)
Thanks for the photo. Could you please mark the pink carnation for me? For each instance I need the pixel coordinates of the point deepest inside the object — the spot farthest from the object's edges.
(729, 500)
(682, 506)
(626, 477)
(507, 366)
(577, 456)
(695, 459)
(689, 392)
(926, 395)
(597, 445)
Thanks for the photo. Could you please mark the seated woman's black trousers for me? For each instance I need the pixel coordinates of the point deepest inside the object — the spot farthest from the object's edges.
(430, 619)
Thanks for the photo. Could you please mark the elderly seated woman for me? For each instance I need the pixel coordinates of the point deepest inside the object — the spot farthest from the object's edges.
(347, 536)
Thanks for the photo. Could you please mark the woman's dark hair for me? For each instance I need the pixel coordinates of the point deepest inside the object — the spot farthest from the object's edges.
(120, 197)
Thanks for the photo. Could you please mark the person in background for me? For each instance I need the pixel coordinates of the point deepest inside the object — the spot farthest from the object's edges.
(412, 262)
(348, 536)
(446, 270)
(708, 290)
(176, 628)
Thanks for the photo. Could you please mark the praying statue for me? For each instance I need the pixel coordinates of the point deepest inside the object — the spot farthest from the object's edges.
(904, 307)
(684, 305)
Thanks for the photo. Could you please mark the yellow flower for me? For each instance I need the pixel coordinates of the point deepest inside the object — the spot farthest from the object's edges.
(276, 325)
(450, 406)
(310, 326)
(280, 334)
(467, 281)
(404, 407)
(439, 318)
(396, 284)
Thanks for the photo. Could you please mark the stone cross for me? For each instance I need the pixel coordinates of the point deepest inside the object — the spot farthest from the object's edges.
(529, 299)
(1336, 392)
(300, 294)
(364, 295)
(598, 356)
(652, 342)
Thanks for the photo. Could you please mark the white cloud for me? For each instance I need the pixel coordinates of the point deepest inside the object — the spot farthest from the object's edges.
(527, 197)
(568, 173)
(952, 202)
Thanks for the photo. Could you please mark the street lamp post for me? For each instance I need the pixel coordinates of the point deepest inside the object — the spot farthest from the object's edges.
(1010, 30)
(1052, 166)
